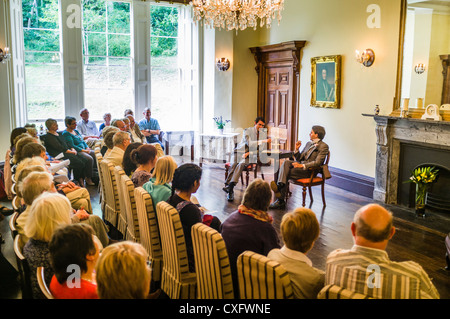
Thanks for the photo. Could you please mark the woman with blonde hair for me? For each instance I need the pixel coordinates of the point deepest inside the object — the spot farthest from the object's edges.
(48, 212)
(159, 186)
(122, 272)
(299, 230)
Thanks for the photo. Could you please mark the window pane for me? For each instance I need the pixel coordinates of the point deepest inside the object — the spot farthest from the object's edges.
(41, 40)
(119, 45)
(40, 14)
(107, 76)
(94, 15)
(43, 70)
(120, 73)
(94, 43)
(164, 21)
(118, 17)
(44, 102)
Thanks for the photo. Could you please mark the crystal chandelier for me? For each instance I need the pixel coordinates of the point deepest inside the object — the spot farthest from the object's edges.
(237, 14)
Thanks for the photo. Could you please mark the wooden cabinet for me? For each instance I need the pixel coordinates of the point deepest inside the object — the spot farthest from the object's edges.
(278, 68)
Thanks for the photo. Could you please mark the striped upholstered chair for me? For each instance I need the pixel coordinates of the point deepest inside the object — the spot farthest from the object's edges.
(336, 292)
(101, 186)
(112, 208)
(126, 191)
(212, 265)
(177, 282)
(117, 173)
(262, 278)
(149, 231)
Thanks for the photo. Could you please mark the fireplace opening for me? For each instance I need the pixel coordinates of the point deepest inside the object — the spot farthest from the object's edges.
(413, 156)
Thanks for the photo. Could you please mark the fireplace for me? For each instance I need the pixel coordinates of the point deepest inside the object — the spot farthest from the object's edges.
(413, 156)
(404, 144)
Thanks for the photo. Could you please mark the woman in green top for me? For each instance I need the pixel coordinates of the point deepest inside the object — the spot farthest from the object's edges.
(159, 186)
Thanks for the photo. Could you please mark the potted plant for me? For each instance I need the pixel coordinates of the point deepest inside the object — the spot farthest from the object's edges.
(220, 123)
(422, 177)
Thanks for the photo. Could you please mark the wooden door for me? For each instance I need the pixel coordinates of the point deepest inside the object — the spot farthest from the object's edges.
(278, 85)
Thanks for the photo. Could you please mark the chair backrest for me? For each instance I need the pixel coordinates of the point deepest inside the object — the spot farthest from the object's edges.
(122, 222)
(262, 278)
(112, 208)
(42, 284)
(23, 268)
(126, 188)
(336, 292)
(101, 185)
(12, 224)
(212, 265)
(149, 230)
(176, 265)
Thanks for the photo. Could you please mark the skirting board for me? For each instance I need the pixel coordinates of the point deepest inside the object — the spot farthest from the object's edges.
(352, 182)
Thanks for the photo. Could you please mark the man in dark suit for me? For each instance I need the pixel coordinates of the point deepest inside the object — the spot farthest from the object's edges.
(246, 152)
(313, 154)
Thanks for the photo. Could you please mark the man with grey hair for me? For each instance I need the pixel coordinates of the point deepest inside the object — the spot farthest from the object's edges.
(121, 140)
(88, 129)
(366, 267)
(313, 154)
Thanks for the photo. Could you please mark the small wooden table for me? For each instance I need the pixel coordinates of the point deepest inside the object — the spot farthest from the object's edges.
(217, 146)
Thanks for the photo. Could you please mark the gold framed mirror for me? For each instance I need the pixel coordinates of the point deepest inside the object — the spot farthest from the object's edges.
(424, 48)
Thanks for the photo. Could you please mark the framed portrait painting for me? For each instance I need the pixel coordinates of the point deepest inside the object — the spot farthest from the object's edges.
(326, 81)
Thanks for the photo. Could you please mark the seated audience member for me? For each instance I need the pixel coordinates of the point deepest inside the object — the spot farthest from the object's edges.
(48, 212)
(122, 272)
(21, 141)
(107, 142)
(128, 112)
(250, 227)
(145, 158)
(150, 128)
(88, 129)
(135, 131)
(372, 229)
(299, 230)
(186, 181)
(313, 154)
(128, 165)
(31, 129)
(38, 182)
(159, 186)
(74, 245)
(76, 141)
(106, 122)
(121, 140)
(55, 144)
(119, 124)
(8, 161)
(79, 197)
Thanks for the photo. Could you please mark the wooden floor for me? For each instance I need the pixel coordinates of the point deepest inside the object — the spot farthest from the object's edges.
(420, 240)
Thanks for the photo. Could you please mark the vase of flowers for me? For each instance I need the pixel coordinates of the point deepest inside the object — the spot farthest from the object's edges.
(220, 123)
(422, 177)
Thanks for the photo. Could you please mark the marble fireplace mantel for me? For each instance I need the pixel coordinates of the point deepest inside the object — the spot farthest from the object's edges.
(391, 133)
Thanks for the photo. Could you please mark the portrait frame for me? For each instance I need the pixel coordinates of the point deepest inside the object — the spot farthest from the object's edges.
(326, 81)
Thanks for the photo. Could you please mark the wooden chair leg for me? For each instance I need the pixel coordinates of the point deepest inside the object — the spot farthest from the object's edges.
(304, 196)
(226, 173)
(323, 195)
(310, 194)
(247, 177)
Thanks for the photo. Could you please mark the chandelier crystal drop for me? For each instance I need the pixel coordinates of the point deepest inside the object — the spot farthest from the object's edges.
(237, 14)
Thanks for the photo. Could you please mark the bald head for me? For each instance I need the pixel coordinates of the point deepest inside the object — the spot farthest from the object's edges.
(373, 223)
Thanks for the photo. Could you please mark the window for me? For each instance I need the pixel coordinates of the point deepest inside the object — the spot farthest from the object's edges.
(43, 69)
(173, 52)
(107, 62)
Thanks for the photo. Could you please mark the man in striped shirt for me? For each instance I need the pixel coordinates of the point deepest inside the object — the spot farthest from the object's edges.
(366, 267)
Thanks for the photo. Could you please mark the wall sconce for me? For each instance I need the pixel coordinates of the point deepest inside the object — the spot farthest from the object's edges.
(419, 68)
(4, 55)
(223, 64)
(366, 57)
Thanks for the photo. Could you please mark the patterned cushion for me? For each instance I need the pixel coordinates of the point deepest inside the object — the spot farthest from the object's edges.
(336, 292)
